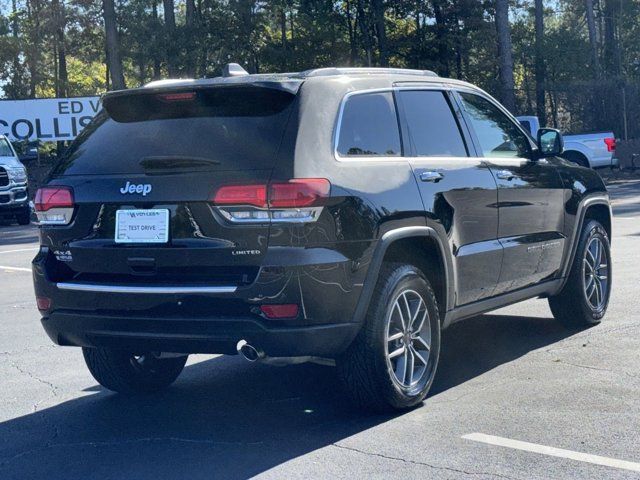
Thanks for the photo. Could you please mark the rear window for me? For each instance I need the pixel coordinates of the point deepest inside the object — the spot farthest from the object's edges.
(369, 126)
(231, 128)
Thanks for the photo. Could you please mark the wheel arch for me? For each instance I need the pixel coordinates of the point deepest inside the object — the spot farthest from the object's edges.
(602, 213)
(578, 150)
(418, 246)
(596, 207)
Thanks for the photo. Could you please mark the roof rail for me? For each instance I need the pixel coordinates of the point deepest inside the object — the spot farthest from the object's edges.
(322, 72)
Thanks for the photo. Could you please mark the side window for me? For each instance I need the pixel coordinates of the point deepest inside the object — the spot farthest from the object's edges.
(5, 148)
(369, 126)
(433, 129)
(497, 134)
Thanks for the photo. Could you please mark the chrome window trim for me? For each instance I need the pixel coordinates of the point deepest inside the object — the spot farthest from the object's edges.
(163, 290)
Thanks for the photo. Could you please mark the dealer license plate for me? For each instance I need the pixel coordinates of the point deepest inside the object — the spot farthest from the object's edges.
(142, 226)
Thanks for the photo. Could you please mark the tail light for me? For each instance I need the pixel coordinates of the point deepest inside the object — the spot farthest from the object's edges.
(611, 144)
(54, 205)
(297, 200)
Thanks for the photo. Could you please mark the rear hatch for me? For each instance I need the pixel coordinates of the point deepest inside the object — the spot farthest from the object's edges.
(143, 176)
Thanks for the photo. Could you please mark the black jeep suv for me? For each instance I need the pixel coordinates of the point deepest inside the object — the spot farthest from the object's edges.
(342, 215)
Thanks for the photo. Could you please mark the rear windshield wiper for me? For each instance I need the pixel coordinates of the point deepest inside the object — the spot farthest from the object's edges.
(162, 162)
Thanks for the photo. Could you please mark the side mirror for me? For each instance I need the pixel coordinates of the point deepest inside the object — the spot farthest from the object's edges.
(550, 143)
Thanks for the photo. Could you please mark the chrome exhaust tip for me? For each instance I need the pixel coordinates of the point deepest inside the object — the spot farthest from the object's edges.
(249, 352)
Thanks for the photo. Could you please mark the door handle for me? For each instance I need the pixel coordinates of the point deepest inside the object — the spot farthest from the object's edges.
(431, 176)
(506, 175)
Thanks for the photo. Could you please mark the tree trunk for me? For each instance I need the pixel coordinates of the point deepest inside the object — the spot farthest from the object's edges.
(61, 72)
(352, 35)
(593, 39)
(610, 41)
(114, 62)
(441, 39)
(33, 53)
(170, 29)
(283, 38)
(157, 64)
(381, 33)
(458, 46)
(18, 85)
(505, 59)
(539, 62)
(190, 12)
(366, 31)
(191, 35)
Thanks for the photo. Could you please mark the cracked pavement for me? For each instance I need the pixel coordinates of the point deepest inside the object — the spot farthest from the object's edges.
(513, 373)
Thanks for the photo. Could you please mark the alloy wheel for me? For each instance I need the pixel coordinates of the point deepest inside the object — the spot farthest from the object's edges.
(595, 272)
(408, 339)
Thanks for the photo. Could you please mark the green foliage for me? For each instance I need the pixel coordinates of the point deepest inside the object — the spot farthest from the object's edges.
(453, 37)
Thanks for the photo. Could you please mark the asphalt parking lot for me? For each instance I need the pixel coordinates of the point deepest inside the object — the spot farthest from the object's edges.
(516, 396)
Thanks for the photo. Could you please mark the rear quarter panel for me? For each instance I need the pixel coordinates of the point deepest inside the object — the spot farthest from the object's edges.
(369, 197)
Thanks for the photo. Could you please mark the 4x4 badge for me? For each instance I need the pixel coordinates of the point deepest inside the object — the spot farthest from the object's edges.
(142, 188)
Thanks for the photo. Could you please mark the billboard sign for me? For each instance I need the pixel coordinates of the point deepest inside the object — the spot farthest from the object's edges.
(46, 119)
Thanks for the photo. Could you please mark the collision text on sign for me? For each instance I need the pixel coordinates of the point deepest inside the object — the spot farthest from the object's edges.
(50, 119)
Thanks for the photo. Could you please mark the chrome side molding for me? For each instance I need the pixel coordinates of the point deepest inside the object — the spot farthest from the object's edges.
(164, 289)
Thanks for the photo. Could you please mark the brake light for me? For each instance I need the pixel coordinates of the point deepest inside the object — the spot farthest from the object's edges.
(53, 197)
(611, 144)
(255, 195)
(177, 97)
(54, 205)
(295, 200)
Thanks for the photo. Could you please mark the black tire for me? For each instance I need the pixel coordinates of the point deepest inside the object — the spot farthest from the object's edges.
(573, 306)
(576, 158)
(127, 373)
(365, 369)
(24, 217)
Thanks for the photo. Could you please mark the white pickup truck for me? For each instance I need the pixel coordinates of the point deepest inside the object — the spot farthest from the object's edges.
(589, 150)
(14, 201)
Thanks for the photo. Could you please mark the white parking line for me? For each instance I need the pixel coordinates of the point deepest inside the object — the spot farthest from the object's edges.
(552, 451)
(19, 250)
(15, 269)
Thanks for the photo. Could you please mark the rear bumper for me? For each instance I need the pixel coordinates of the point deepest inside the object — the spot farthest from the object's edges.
(202, 335)
(212, 318)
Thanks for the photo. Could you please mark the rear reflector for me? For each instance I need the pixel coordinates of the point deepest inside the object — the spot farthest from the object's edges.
(280, 311)
(44, 303)
(53, 197)
(611, 144)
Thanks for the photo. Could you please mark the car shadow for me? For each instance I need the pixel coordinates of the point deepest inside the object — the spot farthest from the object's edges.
(226, 418)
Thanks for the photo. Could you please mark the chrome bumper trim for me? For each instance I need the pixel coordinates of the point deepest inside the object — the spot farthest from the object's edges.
(165, 290)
